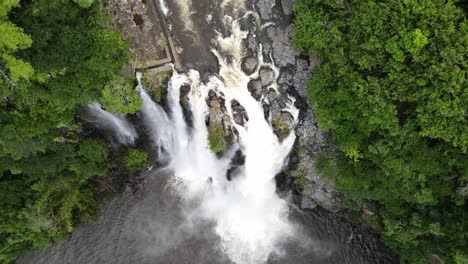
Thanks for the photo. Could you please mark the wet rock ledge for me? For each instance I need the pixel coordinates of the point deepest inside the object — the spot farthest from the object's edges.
(141, 24)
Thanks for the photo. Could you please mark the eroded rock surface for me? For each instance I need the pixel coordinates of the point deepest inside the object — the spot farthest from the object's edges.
(287, 6)
(295, 73)
(138, 23)
(265, 8)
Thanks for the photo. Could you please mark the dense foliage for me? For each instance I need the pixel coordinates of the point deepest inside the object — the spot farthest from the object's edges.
(119, 96)
(54, 58)
(393, 90)
(136, 159)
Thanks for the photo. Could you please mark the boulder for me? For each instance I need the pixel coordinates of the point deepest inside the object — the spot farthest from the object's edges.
(283, 52)
(249, 65)
(287, 6)
(252, 43)
(239, 113)
(267, 75)
(265, 8)
(255, 89)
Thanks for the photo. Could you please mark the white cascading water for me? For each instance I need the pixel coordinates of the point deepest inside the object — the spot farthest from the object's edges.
(249, 217)
(163, 6)
(122, 131)
(160, 127)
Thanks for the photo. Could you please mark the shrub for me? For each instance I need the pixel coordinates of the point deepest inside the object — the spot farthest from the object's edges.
(136, 159)
(216, 138)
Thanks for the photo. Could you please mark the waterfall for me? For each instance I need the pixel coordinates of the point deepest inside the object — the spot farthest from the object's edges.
(249, 217)
(121, 131)
(164, 8)
(160, 128)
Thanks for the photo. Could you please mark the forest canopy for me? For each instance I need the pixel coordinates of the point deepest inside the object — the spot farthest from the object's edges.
(392, 88)
(55, 57)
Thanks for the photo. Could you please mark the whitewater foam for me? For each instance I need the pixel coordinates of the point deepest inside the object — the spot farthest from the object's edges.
(164, 7)
(249, 217)
(122, 132)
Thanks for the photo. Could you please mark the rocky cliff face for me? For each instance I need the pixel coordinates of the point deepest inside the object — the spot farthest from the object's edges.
(296, 71)
(141, 23)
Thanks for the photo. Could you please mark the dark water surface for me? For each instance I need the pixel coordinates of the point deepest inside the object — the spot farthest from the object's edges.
(148, 227)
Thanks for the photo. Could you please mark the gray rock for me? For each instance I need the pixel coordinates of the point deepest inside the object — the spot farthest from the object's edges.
(287, 6)
(287, 118)
(267, 76)
(255, 88)
(275, 109)
(252, 43)
(283, 102)
(309, 135)
(286, 77)
(265, 8)
(249, 65)
(316, 191)
(135, 21)
(266, 52)
(307, 202)
(283, 88)
(266, 111)
(302, 76)
(283, 52)
(239, 113)
(215, 110)
(272, 95)
(295, 73)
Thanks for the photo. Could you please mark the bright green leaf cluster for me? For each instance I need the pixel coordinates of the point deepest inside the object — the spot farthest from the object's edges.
(136, 159)
(12, 39)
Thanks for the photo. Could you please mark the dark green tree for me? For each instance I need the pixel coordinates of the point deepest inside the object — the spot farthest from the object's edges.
(393, 89)
(12, 40)
(55, 57)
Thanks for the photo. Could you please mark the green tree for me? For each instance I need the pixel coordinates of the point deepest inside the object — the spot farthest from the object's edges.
(55, 57)
(393, 90)
(119, 96)
(12, 40)
(84, 3)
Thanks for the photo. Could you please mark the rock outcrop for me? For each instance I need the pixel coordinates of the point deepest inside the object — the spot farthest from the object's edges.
(139, 23)
(296, 70)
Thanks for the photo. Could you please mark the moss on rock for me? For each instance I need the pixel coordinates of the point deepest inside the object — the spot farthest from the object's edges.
(281, 128)
(155, 84)
(217, 137)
